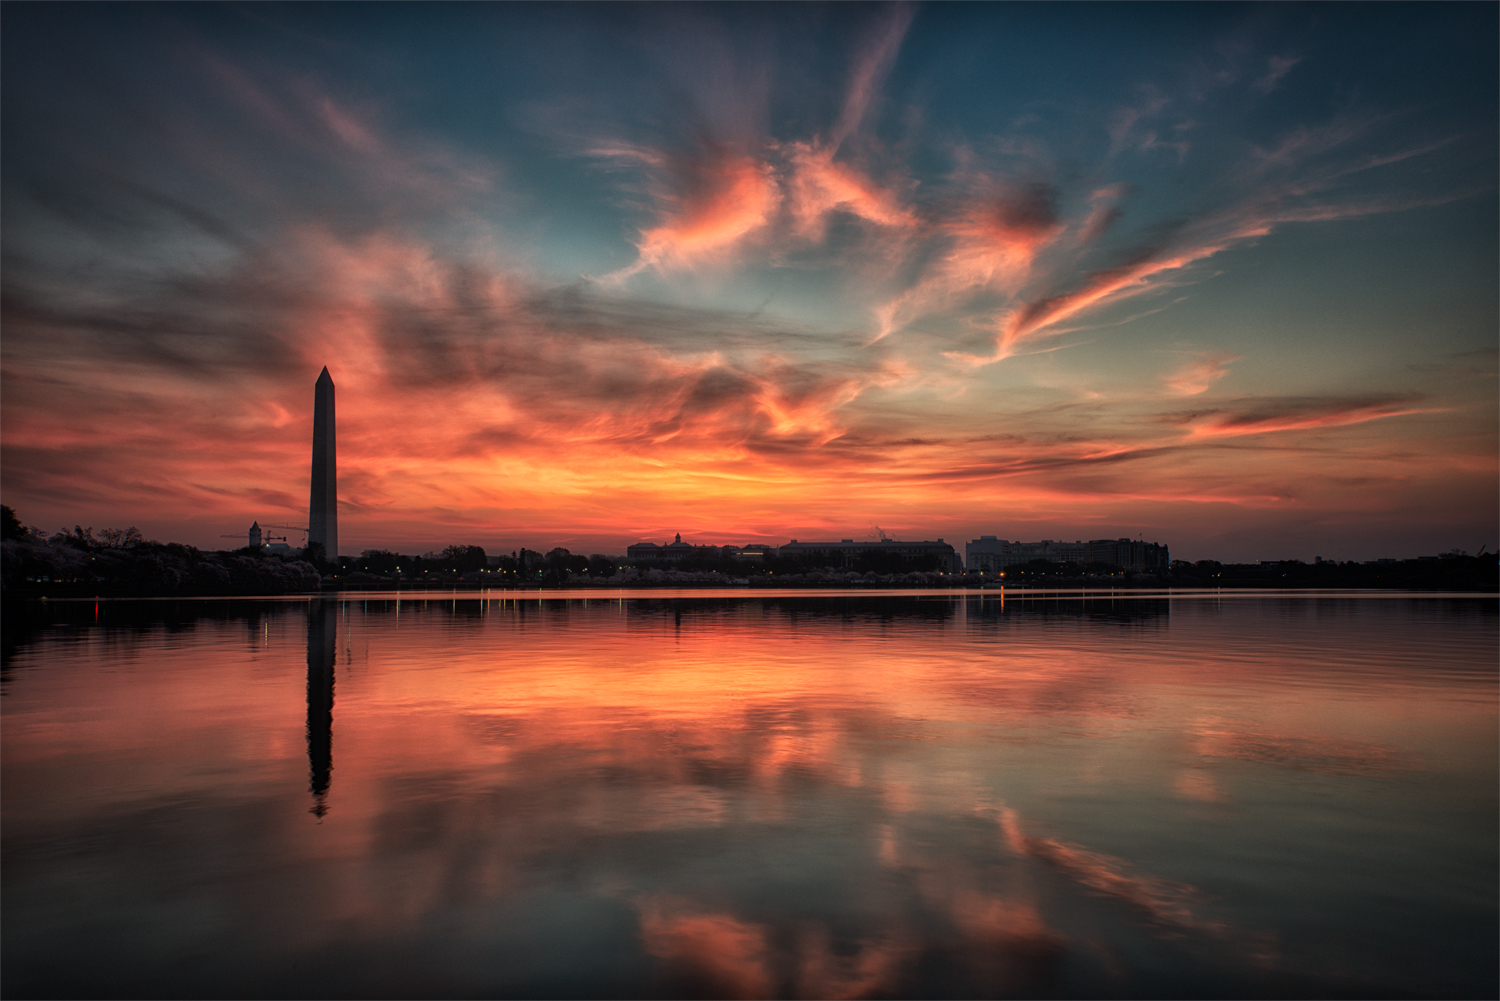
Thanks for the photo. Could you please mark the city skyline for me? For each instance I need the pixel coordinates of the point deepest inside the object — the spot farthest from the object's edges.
(1219, 276)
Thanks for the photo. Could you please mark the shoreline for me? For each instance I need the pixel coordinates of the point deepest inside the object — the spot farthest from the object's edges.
(73, 593)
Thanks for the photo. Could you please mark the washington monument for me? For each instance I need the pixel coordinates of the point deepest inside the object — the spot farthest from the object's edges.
(323, 507)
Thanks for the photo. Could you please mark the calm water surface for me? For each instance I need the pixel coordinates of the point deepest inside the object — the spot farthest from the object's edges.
(752, 795)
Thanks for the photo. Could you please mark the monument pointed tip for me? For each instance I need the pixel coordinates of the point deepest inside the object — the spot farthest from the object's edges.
(324, 375)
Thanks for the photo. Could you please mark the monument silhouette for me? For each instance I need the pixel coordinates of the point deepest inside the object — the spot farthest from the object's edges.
(323, 505)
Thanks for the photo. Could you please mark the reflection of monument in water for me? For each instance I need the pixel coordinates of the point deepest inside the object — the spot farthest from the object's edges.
(322, 637)
(323, 502)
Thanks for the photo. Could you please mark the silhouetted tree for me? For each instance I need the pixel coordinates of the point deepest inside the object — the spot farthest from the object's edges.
(463, 559)
(121, 538)
(81, 538)
(378, 561)
(317, 556)
(10, 525)
(530, 562)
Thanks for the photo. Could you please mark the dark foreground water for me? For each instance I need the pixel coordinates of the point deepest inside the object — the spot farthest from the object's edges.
(924, 795)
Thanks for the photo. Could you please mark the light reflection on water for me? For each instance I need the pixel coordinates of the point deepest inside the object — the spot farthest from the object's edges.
(752, 795)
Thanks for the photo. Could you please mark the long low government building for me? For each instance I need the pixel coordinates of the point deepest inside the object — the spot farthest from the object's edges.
(988, 554)
(844, 553)
(847, 552)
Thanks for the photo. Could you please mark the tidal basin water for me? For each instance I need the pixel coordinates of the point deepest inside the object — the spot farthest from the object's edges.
(747, 794)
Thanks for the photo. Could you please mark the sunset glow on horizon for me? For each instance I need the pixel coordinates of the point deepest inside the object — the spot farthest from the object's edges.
(1219, 276)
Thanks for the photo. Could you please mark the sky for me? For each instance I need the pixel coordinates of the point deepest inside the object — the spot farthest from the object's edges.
(1219, 276)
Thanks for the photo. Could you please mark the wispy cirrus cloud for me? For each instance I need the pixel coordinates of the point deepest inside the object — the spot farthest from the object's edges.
(1271, 416)
(302, 123)
(1154, 267)
(872, 62)
(1276, 68)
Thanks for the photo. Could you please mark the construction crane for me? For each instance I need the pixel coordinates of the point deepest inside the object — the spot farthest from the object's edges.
(255, 539)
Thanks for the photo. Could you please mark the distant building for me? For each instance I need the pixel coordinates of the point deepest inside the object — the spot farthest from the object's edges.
(259, 541)
(846, 552)
(673, 552)
(1130, 554)
(988, 554)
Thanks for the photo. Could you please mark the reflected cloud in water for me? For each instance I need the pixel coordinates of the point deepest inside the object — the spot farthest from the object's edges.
(747, 797)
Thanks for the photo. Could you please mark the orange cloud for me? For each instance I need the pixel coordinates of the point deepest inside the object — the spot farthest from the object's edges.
(726, 955)
(991, 245)
(1214, 738)
(1293, 415)
(1148, 268)
(1165, 902)
(825, 972)
(712, 204)
(1107, 286)
(819, 186)
(1196, 376)
(1196, 784)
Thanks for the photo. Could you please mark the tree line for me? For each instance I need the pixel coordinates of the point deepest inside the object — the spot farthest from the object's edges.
(122, 561)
